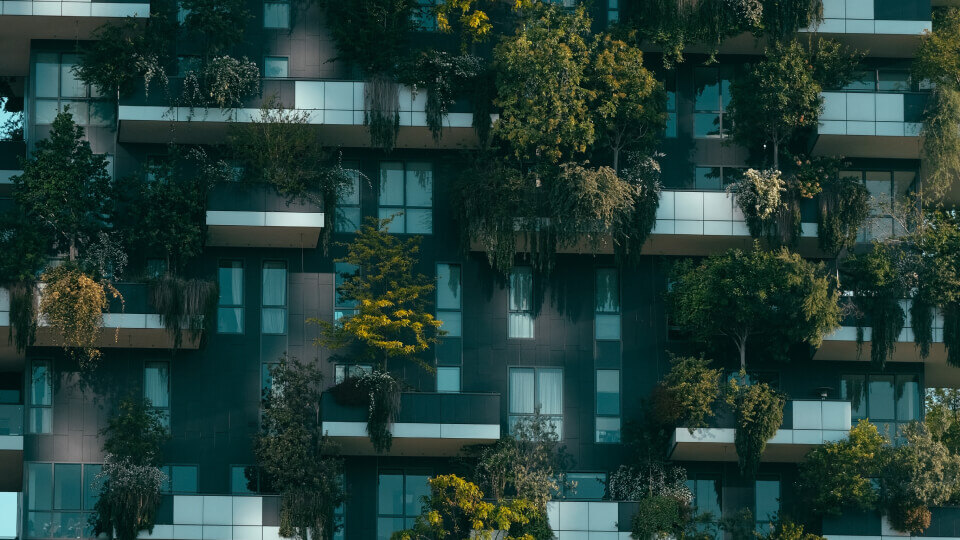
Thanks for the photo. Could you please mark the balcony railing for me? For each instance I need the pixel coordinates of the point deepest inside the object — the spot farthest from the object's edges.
(10, 154)
(885, 17)
(255, 215)
(871, 124)
(11, 422)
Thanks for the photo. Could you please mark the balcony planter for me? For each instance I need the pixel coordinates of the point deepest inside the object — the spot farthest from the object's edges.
(255, 215)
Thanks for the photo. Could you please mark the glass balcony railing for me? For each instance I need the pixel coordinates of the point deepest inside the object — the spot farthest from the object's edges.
(11, 420)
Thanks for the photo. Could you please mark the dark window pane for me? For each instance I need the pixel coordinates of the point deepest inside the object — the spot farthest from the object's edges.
(67, 488)
(390, 495)
(881, 397)
(908, 398)
(39, 486)
(91, 485)
(184, 478)
(707, 90)
(853, 389)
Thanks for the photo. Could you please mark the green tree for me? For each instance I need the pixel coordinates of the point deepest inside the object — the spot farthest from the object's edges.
(840, 474)
(219, 23)
(758, 413)
(131, 479)
(296, 456)
(775, 298)
(119, 55)
(774, 99)
(393, 318)
(687, 394)
(942, 416)
(373, 34)
(541, 86)
(938, 281)
(65, 186)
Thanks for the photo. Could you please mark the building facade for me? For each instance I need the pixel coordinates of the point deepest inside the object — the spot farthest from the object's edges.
(584, 345)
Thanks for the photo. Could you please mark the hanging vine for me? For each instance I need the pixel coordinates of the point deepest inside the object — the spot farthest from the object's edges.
(380, 393)
(844, 207)
(442, 76)
(184, 304)
(381, 105)
(758, 410)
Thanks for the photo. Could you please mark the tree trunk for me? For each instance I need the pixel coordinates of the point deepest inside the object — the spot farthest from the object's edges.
(73, 249)
(616, 159)
(776, 154)
(742, 346)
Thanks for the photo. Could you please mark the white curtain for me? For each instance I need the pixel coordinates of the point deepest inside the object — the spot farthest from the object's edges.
(550, 391)
(274, 284)
(521, 288)
(274, 320)
(156, 384)
(231, 284)
(521, 391)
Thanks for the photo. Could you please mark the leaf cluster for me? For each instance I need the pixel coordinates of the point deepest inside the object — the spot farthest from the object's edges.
(758, 413)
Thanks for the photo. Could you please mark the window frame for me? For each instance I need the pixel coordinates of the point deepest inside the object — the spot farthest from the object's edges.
(405, 209)
(556, 419)
(243, 296)
(285, 59)
(352, 169)
(45, 408)
(164, 411)
(87, 499)
(527, 312)
(264, 307)
(289, 16)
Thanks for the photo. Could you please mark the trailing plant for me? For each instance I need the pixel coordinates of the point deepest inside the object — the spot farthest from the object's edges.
(220, 24)
(758, 412)
(372, 34)
(687, 394)
(380, 393)
(104, 257)
(659, 517)
(761, 198)
(393, 319)
(455, 509)
(131, 480)
(879, 283)
(72, 303)
(642, 173)
(295, 455)
(937, 268)
(185, 304)
(839, 475)
(119, 55)
(785, 529)
(844, 208)
(381, 110)
(23, 314)
(223, 82)
(586, 203)
(650, 479)
(23, 254)
(443, 76)
(772, 299)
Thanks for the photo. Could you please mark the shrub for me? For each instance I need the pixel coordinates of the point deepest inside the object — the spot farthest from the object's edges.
(650, 479)
(758, 410)
(380, 393)
(659, 517)
(687, 394)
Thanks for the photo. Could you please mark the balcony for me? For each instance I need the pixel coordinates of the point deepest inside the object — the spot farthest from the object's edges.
(871, 124)
(10, 502)
(944, 523)
(135, 326)
(335, 107)
(10, 154)
(806, 424)
(11, 448)
(255, 215)
(885, 28)
(221, 517)
(607, 520)
(428, 424)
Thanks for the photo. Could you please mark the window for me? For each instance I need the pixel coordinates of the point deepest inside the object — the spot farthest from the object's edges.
(156, 388)
(342, 371)
(180, 478)
(273, 314)
(424, 15)
(244, 479)
(41, 397)
(230, 305)
(716, 178)
(276, 15)
(585, 486)
(520, 303)
(348, 201)
(406, 188)
(58, 89)
(60, 498)
(613, 11)
(449, 351)
(399, 501)
(343, 307)
(707, 492)
(608, 406)
(340, 513)
(607, 316)
(767, 504)
(537, 389)
(182, 13)
(670, 84)
(711, 97)
(275, 67)
(607, 336)
(887, 400)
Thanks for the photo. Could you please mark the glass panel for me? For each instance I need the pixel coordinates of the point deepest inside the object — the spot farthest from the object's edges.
(608, 392)
(879, 184)
(351, 192)
(452, 322)
(67, 489)
(342, 272)
(79, 109)
(707, 90)
(706, 125)
(863, 81)
(707, 494)
(768, 500)
(448, 379)
(273, 320)
(276, 15)
(419, 221)
(41, 420)
(230, 320)
(881, 399)
(387, 526)
(239, 483)
(398, 225)
(47, 111)
(418, 486)
(231, 283)
(607, 326)
(448, 286)
(671, 127)
(391, 184)
(156, 383)
(348, 219)
(588, 486)
(853, 389)
(275, 67)
(908, 398)
(101, 114)
(419, 184)
(608, 354)
(390, 494)
(550, 391)
(520, 325)
(184, 478)
(274, 283)
(724, 93)
(448, 351)
(41, 387)
(521, 288)
(521, 391)
(608, 291)
(39, 486)
(70, 86)
(708, 178)
(47, 75)
(893, 81)
(608, 429)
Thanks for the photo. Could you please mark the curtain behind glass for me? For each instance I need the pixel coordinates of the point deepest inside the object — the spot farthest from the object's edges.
(521, 391)
(550, 391)
(156, 384)
(231, 283)
(41, 392)
(521, 288)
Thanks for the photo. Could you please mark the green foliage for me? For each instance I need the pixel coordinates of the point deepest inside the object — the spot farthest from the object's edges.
(528, 464)
(379, 393)
(879, 282)
(938, 280)
(775, 98)
(938, 57)
(381, 110)
(541, 86)
(443, 76)
(788, 530)
(834, 64)
(220, 24)
(23, 314)
(131, 479)
(941, 414)
(839, 474)
(294, 453)
(758, 410)
(118, 55)
(844, 208)
(687, 394)
(394, 319)
(23, 247)
(659, 517)
(185, 304)
(65, 186)
(455, 509)
(223, 82)
(774, 299)
(372, 34)
(761, 197)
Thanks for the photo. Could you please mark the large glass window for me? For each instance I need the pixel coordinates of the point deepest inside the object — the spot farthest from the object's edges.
(607, 331)
(156, 388)
(276, 15)
(180, 479)
(767, 503)
(276, 67)
(520, 303)
(585, 486)
(537, 389)
(41, 397)
(342, 371)
(244, 479)
(348, 200)
(888, 401)
(406, 191)
(230, 305)
(60, 498)
(707, 492)
(424, 15)
(449, 312)
(399, 502)
(711, 97)
(57, 89)
(343, 307)
(273, 313)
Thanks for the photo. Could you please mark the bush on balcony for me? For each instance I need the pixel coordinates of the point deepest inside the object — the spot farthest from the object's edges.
(296, 456)
(770, 299)
(23, 254)
(443, 76)
(688, 393)
(380, 394)
(220, 24)
(131, 479)
(844, 208)
(372, 34)
(223, 82)
(938, 282)
(758, 410)
(185, 304)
